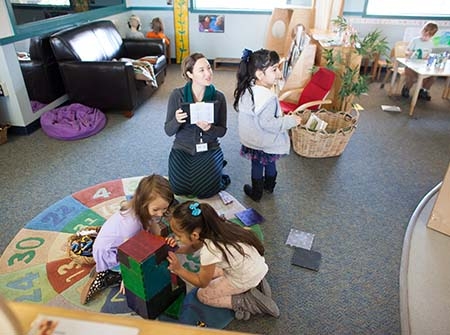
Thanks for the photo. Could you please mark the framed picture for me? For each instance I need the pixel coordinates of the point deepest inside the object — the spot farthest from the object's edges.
(211, 23)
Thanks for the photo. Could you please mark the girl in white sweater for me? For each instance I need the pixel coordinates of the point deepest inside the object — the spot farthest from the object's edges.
(263, 130)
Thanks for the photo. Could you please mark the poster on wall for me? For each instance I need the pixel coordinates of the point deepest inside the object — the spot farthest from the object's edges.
(211, 23)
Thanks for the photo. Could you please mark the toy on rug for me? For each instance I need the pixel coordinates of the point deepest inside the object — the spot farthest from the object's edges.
(150, 287)
(80, 245)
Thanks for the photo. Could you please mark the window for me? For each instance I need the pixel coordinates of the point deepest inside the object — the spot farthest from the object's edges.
(408, 8)
(47, 3)
(246, 5)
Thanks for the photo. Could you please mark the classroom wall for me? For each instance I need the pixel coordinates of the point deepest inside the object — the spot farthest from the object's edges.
(241, 31)
(239, 34)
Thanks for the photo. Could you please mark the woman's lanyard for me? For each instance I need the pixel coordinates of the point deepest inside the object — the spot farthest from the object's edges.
(200, 147)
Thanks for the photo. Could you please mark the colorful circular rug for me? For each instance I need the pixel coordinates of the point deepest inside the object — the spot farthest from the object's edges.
(36, 266)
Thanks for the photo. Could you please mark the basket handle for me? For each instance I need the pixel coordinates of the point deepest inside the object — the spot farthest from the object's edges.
(354, 117)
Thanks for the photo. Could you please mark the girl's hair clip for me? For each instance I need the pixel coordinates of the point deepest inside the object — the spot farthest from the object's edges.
(195, 211)
(246, 55)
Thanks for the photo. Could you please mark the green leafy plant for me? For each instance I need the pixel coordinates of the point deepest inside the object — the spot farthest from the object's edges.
(373, 44)
(352, 83)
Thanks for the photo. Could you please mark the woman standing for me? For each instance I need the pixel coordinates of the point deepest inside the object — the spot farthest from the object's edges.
(196, 159)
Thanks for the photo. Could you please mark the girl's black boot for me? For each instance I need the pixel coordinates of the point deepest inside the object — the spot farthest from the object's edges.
(256, 190)
(269, 183)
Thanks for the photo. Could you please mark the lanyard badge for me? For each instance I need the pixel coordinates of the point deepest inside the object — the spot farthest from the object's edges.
(201, 147)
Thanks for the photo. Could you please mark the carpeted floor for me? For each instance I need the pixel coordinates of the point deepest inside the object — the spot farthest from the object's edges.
(358, 205)
(36, 266)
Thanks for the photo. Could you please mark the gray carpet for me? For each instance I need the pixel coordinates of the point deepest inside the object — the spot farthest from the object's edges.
(358, 205)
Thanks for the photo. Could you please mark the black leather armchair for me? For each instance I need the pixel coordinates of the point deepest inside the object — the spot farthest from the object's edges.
(41, 73)
(87, 57)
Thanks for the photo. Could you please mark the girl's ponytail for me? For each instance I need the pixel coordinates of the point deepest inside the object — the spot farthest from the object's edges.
(244, 77)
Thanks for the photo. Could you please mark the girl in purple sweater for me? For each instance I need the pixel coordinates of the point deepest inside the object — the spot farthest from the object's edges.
(150, 203)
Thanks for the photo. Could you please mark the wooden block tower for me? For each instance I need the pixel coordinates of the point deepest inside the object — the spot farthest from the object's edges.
(150, 288)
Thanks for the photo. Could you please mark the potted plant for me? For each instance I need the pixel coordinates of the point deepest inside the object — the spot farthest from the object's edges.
(345, 61)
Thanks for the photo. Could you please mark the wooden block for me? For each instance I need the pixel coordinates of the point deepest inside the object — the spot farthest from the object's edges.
(151, 309)
(142, 245)
(150, 287)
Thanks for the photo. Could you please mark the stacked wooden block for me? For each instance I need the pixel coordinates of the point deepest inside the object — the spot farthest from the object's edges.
(150, 288)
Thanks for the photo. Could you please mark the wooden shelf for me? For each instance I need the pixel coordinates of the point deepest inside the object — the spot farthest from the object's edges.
(227, 64)
(29, 311)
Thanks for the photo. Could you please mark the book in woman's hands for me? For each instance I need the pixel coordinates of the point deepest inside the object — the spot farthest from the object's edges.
(199, 111)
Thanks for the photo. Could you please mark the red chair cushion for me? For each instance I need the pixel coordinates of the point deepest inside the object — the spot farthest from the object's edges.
(287, 107)
(318, 87)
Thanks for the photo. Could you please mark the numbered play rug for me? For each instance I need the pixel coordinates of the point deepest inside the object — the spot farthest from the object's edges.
(36, 266)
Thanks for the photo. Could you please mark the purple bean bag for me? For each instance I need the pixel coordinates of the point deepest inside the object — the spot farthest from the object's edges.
(72, 122)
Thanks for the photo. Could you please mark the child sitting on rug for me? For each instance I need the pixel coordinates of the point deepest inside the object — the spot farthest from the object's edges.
(150, 203)
(232, 264)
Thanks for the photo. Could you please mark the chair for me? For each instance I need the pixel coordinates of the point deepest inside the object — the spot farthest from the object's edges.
(399, 50)
(312, 96)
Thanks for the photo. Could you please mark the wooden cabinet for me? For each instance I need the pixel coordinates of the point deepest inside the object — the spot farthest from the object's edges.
(301, 72)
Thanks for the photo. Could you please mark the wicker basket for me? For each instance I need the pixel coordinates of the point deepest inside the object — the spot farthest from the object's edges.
(4, 133)
(77, 238)
(330, 142)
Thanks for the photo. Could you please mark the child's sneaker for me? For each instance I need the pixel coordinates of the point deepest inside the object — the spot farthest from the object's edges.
(424, 95)
(405, 92)
(264, 303)
(264, 287)
(97, 282)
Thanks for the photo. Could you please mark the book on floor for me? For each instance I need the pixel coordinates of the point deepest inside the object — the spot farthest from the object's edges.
(249, 217)
(389, 108)
(305, 258)
(300, 239)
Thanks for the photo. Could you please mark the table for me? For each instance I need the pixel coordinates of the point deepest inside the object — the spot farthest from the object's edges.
(27, 312)
(420, 67)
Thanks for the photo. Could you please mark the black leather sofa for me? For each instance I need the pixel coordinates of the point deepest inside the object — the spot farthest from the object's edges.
(41, 73)
(86, 56)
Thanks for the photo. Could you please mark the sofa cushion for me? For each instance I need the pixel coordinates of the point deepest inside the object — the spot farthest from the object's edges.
(97, 41)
